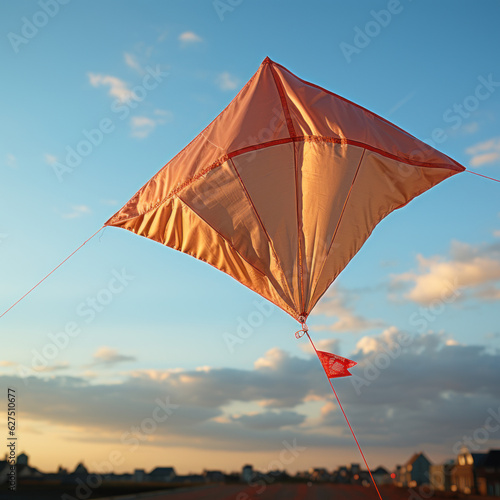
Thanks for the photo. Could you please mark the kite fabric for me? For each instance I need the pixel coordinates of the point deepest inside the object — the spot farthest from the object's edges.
(335, 366)
(283, 188)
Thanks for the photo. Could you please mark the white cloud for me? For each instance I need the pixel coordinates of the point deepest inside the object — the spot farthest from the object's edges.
(337, 303)
(328, 345)
(189, 37)
(11, 160)
(273, 359)
(139, 57)
(142, 126)
(8, 363)
(117, 88)
(77, 211)
(132, 62)
(482, 159)
(53, 368)
(226, 81)
(387, 338)
(109, 357)
(470, 128)
(489, 293)
(484, 152)
(50, 159)
(268, 419)
(166, 115)
(475, 268)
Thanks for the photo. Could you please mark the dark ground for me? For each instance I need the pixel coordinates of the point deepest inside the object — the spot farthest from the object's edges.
(278, 491)
(302, 491)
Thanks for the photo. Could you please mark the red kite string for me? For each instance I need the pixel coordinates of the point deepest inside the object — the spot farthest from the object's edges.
(343, 412)
(485, 176)
(55, 269)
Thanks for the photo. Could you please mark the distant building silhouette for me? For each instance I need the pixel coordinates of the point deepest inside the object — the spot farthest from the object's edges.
(355, 474)
(247, 473)
(440, 475)
(415, 472)
(381, 476)
(139, 475)
(488, 474)
(23, 470)
(190, 479)
(213, 476)
(464, 473)
(81, 470)
(61, 471)
(162, 475)
(4, 470)
(79, 474)
(477, 473)
(342, 475)
(319, 474)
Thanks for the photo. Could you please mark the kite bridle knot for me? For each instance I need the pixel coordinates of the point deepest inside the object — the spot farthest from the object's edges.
(303, 330)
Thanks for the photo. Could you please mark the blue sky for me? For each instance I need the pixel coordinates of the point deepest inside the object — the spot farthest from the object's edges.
(171, 322)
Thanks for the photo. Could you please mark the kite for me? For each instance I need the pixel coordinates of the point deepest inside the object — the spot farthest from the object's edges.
(281, 191)
(283, 188)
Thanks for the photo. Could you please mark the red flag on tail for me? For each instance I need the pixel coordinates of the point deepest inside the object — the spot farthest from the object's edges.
(335, 366)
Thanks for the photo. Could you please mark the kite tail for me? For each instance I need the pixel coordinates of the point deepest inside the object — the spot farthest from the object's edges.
(45, 277)
(305, 331)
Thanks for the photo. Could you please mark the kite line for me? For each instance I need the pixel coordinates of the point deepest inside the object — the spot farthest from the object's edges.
(481, 175)
(306, 331)
(55, 269)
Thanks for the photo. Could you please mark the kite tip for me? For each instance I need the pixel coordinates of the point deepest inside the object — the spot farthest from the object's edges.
(267, 60)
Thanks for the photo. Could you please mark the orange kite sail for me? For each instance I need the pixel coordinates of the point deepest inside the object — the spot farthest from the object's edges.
(283, 188)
